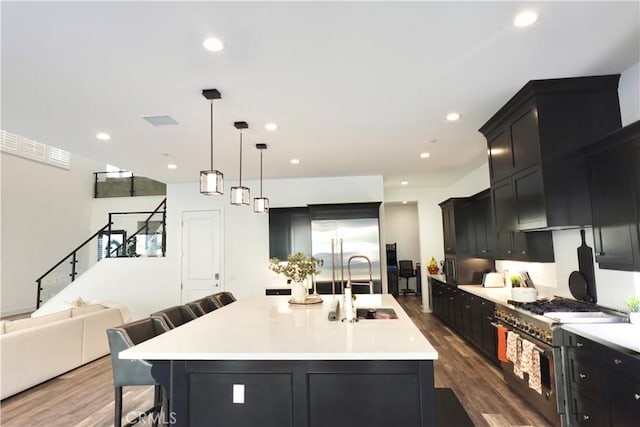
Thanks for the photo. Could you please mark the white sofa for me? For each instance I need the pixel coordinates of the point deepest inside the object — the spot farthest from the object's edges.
(35, 349)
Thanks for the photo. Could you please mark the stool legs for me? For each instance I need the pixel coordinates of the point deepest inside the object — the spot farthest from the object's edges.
(117, 416)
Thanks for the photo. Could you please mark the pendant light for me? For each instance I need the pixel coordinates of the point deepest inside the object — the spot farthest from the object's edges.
(240, 194)
(211, 181)
(261, 204)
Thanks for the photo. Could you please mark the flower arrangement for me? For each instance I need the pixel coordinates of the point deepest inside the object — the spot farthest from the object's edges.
(297, 266)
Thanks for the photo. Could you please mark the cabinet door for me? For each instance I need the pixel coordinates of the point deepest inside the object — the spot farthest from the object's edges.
(614, 217)
(525, 140)
(449, 229)
(279, 233)
(489, 332)
(500, 155)
(528, 192)
(485, 236)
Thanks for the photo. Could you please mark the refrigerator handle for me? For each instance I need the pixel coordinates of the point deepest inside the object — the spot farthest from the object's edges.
(333, 266)
(341, 266)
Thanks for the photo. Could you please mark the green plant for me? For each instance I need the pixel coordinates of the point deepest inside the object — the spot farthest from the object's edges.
(297, 266)
(515, 280)
(634, 304)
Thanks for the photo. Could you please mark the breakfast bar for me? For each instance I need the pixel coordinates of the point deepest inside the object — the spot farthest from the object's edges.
(262, 361)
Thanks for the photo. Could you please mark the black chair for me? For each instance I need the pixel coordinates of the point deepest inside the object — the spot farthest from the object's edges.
(135, 372)
(405, 269)
(176, 315)
(203, 306)
(224, 298)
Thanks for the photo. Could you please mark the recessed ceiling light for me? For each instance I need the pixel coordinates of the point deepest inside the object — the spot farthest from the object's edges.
(103, 136)
(404, 183)
(213, 44)
(295, 161)
(524, 19)
(424, 155)
(271, 126)
(172, 166)
(452, 117)
(404, 203)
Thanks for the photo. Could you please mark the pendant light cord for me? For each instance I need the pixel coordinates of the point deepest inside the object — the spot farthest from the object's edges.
(240, 158)
(261, 174)
(211, 135)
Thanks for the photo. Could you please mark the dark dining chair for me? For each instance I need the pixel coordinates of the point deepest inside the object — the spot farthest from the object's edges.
(135, 372)
(176, 315)
(406, 270)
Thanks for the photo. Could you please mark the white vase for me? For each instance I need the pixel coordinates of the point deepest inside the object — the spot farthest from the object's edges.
(634, 317)
(298, 291)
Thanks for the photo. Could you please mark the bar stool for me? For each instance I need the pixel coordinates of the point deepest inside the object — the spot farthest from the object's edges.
(135, 372)
(176, 315)
(224, 298)
(203, 306)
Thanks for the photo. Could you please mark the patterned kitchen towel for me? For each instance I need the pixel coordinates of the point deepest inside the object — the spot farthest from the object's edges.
(527, 356)
(517, 365)
(535, 378)
(512, 343)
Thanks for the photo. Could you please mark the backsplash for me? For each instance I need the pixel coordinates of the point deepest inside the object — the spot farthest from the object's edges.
(613, 287)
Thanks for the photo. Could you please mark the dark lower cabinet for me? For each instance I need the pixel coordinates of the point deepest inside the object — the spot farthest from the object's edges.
(603, 383)
(298, 393)
(614, 178)
(469, 315)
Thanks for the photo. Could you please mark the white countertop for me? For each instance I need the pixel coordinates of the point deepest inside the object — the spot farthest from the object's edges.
(623, 334)
(268, 328)
(497, 295)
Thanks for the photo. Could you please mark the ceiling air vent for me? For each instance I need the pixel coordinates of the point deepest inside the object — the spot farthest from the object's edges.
(163, 120)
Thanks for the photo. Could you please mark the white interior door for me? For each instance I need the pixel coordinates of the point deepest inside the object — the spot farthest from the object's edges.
(201, 249)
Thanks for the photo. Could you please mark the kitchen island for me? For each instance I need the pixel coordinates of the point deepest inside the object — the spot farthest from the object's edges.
(264, 362)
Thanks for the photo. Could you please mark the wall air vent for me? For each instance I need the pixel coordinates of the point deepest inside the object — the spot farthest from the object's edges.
(34, 150)
(163, 120)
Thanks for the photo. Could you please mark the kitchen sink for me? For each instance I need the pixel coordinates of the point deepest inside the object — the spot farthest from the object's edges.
(376, 313)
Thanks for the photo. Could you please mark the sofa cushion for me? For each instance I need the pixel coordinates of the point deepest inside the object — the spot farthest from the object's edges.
(30, 322)
(81, 311)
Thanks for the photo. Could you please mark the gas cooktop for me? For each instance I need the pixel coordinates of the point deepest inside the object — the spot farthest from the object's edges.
(556, 304)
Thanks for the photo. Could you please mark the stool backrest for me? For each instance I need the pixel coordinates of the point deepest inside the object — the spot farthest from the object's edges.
(224, 298)
(176, 315)
(406, 268)
(132, 372)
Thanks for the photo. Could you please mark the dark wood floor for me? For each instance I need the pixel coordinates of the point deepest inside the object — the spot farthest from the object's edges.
(84, 396)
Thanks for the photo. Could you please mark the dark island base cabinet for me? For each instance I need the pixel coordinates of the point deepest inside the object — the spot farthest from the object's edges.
(377, 393)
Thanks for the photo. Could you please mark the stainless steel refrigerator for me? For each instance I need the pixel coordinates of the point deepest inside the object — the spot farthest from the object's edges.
(335, 242)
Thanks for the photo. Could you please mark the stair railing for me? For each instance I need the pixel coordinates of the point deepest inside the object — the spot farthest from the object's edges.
(107, 229)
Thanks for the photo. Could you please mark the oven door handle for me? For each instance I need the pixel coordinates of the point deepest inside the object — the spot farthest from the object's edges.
(539, 349)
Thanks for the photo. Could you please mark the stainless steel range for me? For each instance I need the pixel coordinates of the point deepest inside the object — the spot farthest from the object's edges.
(538, 323)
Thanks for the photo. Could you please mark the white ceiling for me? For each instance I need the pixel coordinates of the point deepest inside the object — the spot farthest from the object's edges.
(357, 88)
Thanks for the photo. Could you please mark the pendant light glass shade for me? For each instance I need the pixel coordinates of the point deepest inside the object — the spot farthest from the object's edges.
(211, 181)
(261, 204)
(239, 194)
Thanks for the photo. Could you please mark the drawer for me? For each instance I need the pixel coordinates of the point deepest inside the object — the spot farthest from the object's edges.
(584, 372)
(621, 363)
(624, 400)
(586, 412)
(585, 346)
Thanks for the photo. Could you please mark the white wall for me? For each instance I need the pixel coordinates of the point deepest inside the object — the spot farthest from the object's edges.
(401, 227)
(246, 234)
(144, 285)
(46, 213)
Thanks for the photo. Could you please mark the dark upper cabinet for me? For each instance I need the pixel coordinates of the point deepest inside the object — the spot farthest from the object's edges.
(454, 225)
(614, 177)
(289, 232)
(533, 140)
(482, 235)
(536, 246)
